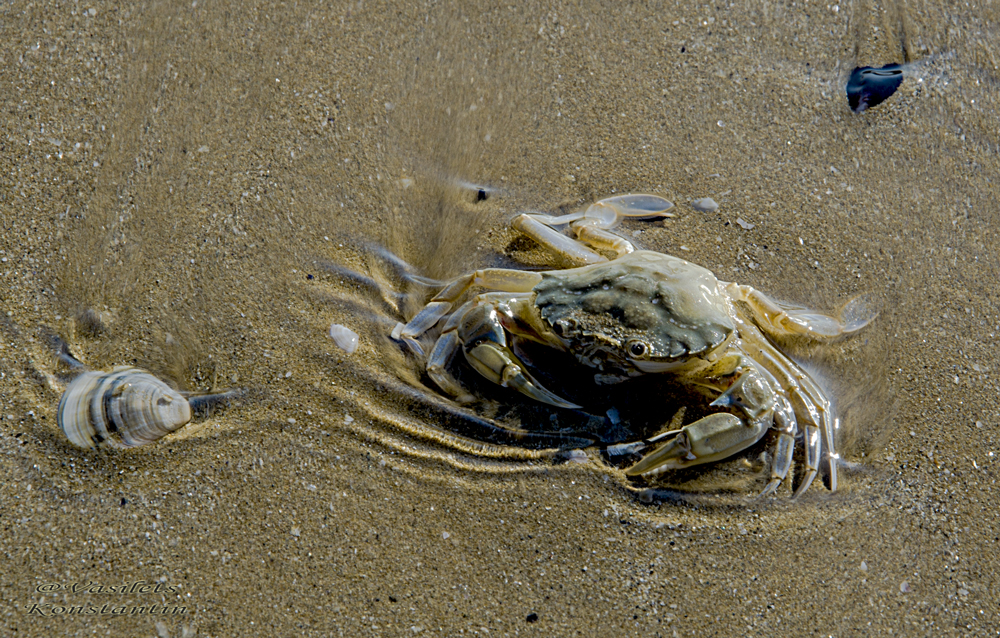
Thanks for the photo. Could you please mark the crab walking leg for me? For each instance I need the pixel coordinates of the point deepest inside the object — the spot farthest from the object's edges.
(485, 344)
(784, 422)
(597, 237)
(809, 404)
(491, 278)
(814, 411)
(437, 367)
(423, 321)
(594, 226)
(550, 238)
(813, 418)
(782, 319)
(757, 393)
(502, 279)
(811, 394)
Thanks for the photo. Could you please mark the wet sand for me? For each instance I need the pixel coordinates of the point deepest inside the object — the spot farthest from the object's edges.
(185, 186)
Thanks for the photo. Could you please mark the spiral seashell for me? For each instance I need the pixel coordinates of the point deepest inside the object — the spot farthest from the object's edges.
(127, 407)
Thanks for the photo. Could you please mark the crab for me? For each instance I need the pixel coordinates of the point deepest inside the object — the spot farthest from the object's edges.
(637, 313)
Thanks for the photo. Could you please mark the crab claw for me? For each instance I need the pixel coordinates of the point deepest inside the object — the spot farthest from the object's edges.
(751, 393)
(712, 438)
(498, 364)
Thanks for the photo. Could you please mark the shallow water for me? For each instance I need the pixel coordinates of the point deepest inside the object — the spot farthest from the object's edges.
(234, 163)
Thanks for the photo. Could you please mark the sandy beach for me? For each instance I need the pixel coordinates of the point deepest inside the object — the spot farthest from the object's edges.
(201, 189)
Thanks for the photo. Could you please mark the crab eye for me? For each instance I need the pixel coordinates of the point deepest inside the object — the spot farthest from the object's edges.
(637, 348)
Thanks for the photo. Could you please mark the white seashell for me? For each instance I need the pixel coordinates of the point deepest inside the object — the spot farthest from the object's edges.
(127, 407)
(345, 338)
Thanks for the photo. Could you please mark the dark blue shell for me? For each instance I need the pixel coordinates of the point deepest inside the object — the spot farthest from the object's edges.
(868, 86)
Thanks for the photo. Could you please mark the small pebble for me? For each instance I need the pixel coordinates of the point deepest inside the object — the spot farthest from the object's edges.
(864, 566)
(705, 205)
(904, 587)
(348, 419)
(532, 617)
(296, 532)
(744, 224)
(445, 535)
